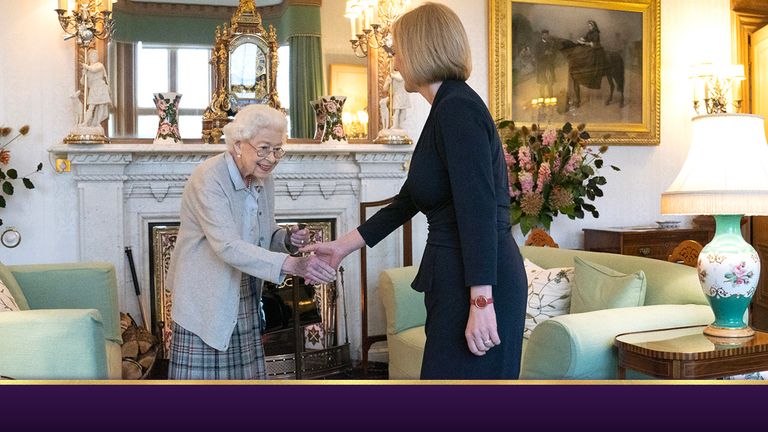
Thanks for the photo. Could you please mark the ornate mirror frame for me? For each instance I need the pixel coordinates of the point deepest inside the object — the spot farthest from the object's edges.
(645, 130)
(246, 27)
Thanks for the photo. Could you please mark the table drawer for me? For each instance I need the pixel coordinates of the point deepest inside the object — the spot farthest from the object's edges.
(649, 243)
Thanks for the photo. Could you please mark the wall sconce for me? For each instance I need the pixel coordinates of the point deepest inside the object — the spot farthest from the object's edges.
(86, 20)
(370, 21)
(718, 87)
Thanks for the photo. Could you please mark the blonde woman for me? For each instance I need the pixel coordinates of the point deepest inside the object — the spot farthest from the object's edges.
(228, 245)
(471, 273)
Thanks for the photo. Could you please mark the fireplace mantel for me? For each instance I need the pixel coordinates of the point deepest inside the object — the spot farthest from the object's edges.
(124, 186)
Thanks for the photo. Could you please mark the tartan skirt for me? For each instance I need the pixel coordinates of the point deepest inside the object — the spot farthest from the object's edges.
(193, 359)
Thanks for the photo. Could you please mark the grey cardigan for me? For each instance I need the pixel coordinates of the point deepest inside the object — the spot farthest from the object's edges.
(211, 254)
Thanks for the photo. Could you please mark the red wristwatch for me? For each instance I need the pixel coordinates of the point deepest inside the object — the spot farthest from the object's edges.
(481, 301)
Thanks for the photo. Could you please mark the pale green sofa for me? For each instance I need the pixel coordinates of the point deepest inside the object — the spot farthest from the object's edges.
(72, 327)
(575, 346)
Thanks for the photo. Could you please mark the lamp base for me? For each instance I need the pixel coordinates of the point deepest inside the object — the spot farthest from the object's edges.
(721, 332)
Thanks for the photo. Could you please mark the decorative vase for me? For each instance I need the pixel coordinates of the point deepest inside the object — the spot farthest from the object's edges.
(168, 110)
(333, 130)
(729, 269)
(319, 109)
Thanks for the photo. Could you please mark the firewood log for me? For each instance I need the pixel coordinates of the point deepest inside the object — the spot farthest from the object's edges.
(131, 369)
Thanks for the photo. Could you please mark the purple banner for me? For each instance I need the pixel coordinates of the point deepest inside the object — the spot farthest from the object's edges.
(376, 407)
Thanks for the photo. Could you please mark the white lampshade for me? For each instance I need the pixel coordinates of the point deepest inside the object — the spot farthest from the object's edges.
(726, 171)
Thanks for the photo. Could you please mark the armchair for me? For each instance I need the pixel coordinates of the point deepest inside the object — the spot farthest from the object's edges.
(72, 327)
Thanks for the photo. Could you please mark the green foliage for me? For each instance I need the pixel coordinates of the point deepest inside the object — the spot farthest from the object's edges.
(9, 175)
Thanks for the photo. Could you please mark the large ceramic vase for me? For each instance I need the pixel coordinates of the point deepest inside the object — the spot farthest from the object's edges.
(729, 269)
(319, 109)
(168, 110)
(333, 131)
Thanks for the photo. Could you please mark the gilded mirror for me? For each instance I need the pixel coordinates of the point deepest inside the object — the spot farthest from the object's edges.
(248, 78)
(245, 69)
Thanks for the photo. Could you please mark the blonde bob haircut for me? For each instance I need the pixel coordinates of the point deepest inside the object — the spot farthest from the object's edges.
(432, 45)
(251, 120)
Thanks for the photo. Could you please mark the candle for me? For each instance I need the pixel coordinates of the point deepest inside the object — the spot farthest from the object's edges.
(736, 89)
(368, 17)
(534, 101)
(62, 5)
(108, 5)
(352, 25)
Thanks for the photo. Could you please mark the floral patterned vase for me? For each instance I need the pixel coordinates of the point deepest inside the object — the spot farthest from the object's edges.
(317, 106)
(333, 131)
(729, 269)
(168, 110)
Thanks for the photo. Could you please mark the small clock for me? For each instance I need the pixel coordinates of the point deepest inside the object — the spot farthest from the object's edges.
(10, 238)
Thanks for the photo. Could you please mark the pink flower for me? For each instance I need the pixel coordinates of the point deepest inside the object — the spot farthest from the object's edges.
(331, 107)
(524, 158)
(338, 130)
(573, 163)
(556, 163)
(545, 175)
(549, 137)
(164, 129)
(526, 182)
(508, 158)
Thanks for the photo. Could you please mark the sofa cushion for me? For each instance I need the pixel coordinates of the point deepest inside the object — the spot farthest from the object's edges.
(549, 294)
(13, 287)
(599, 287)
(667, 283)
(403, 305)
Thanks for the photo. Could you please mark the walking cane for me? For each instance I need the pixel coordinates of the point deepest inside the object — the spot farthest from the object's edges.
(129, 253)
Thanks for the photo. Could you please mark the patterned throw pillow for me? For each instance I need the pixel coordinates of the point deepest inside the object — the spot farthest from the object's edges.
(7, 303)
(549, 294)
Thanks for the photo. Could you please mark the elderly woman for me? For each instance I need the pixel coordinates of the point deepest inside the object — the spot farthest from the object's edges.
(471, 273)
(228, 244)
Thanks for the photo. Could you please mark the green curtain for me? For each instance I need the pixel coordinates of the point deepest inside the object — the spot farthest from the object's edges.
(306, 80)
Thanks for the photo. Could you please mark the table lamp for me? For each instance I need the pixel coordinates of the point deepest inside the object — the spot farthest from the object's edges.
(724, 175)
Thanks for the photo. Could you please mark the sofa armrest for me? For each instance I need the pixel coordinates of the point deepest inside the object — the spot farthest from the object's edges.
(73, 286)
(581, 346)
(53, 344)
(403, 306)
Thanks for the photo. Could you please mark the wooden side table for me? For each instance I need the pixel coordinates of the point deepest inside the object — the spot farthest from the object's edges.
(650, 242)
(686, 353)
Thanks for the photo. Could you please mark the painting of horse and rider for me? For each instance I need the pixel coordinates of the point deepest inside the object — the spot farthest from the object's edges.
(587, 61)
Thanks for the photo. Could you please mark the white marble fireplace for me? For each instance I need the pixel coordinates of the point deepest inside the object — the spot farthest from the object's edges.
(123, 187)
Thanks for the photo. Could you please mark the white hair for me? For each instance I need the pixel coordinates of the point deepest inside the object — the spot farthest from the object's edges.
(251, 120)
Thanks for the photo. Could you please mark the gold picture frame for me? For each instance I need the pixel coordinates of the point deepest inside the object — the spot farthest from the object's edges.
(350, 80)
(630, 35)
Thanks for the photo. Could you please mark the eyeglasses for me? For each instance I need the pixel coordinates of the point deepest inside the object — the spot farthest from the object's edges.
(263, 152)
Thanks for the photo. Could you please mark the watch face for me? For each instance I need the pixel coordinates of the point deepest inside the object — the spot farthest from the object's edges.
(10, 238)
(481, 302)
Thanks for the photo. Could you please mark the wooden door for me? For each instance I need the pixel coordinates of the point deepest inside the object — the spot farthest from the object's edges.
(759, 96)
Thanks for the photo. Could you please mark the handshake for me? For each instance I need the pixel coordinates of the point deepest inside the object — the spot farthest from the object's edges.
(321, 263)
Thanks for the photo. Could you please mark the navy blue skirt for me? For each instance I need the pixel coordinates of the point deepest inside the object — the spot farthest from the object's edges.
(446, 354)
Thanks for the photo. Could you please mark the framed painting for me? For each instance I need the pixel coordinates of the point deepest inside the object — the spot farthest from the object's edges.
(351, 81)
(581, 61)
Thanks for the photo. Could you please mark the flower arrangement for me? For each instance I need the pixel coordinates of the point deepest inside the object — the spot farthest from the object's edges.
(9, 175)
(551, 171)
